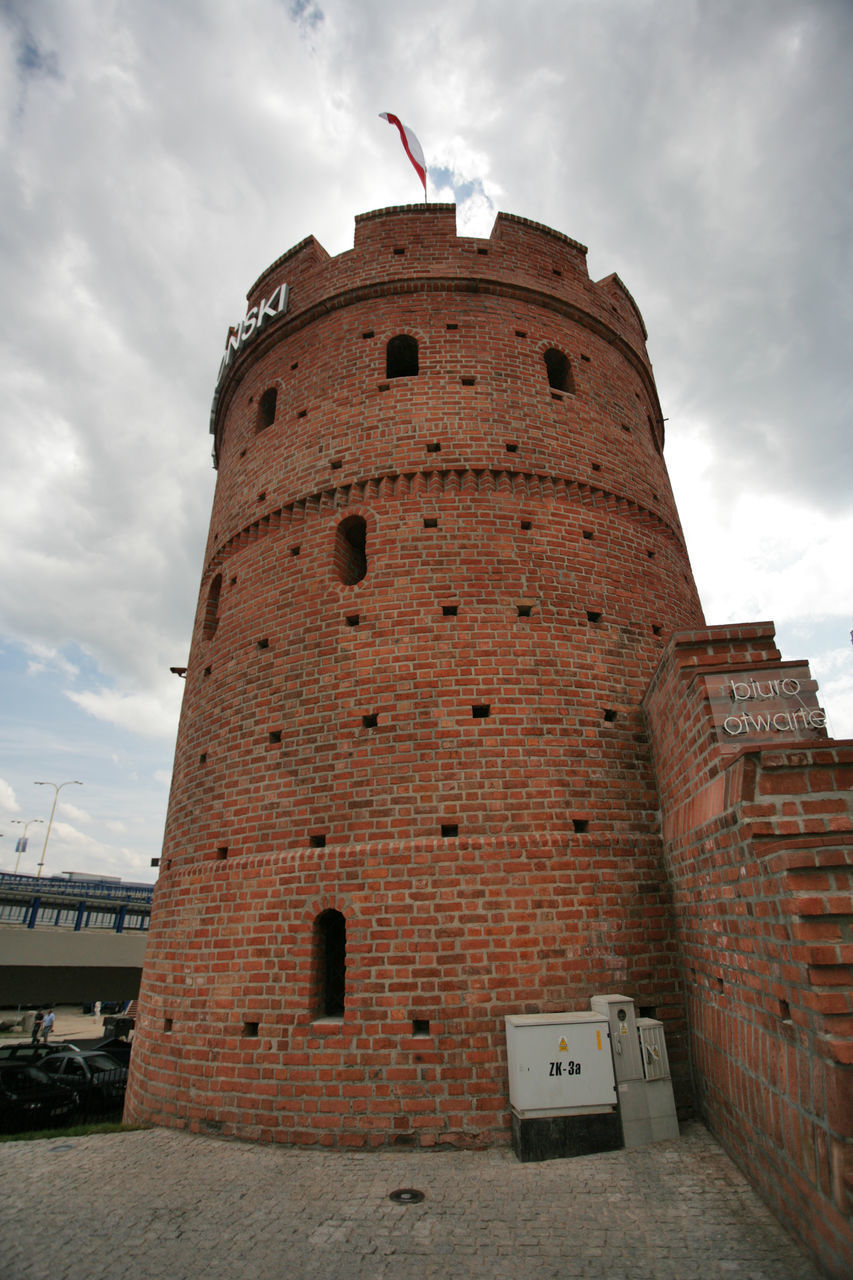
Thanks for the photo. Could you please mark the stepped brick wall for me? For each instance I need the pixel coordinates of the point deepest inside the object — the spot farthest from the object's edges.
(759, 851)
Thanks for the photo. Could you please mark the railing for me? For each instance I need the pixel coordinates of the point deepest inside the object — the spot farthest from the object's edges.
(31, 902)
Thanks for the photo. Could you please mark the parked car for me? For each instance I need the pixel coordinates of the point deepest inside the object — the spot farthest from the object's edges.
(99, 1080)
(32, 1099)
(26, 1051)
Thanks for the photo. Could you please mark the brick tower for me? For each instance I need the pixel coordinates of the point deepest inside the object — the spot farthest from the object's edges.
(456, 742)
(412, 787)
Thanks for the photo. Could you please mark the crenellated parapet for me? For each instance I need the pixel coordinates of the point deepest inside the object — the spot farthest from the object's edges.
(414, 250)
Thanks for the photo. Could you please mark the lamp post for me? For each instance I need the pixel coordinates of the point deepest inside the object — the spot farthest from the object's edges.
(22, 840)
(57, 787)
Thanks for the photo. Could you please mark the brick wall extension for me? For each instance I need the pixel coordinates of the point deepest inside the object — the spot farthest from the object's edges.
(759, 856)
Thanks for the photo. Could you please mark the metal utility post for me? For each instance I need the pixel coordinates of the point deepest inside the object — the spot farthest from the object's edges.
(72, 782)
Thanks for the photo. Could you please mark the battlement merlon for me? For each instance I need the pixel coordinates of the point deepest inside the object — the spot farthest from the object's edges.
(409, 247)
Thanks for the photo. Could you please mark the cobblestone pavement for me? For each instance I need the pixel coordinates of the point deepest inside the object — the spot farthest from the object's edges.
(158, 1203)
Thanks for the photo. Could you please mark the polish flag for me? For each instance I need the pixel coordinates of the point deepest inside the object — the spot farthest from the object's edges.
(411, 146)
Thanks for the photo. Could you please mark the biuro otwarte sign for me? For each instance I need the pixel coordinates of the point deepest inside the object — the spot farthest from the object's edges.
(251, 324)
(761, 707)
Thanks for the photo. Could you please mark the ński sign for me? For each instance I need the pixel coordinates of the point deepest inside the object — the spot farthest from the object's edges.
(252, 322)
(765, 706)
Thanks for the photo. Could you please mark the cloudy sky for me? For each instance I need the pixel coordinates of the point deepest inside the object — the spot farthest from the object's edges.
(156, 155)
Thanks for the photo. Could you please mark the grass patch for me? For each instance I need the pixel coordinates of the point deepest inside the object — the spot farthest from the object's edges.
(73, 1131)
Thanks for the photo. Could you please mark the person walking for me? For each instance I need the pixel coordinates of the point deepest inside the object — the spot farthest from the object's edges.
(37, 1021)
(47, 1025)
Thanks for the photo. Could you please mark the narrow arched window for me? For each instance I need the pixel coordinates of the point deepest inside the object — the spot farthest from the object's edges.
(401, 357)
(559, 370)
(211, 609)
(351, 550)
(330, 966)
(266, 409)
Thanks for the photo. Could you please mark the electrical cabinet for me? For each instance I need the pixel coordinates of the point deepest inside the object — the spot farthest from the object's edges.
(653, 1049)
(559, 1064)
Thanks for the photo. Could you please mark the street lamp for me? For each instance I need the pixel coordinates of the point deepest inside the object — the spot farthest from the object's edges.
(22, 840)
(72, 782)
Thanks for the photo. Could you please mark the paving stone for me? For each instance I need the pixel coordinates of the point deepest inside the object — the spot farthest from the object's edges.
(179, 1206)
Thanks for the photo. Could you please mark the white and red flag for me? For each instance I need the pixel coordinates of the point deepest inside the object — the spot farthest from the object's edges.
(411, 146)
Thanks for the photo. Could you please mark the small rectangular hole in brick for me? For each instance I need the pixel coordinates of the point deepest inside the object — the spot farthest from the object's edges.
(370, 721)
(352, 619)
(555, 271)
(592, 615)
(481, 710)
(294, 366)
(482, 252)
(521, 333)
(168, 1024)
(317, 842)
(399, 252)
(368, 333)
(263, 644)
(434, 447)
(449, 830)
(656, 631)
(275, 736)
(453, 326)
(336, 464)
(294, 551)
(303, 413)
(251, 1028)
(524, 610)
(430, 522)
(610, 715)
(585, 359)
(785, 1010)
(511, 447)
(468, 381)
(449, 610)
(262, 497)
(527, 524)
(596, 466)
(384, 386)
(580, 825)
(207, 672)
(588, 535)
(627, 430)
(203, 758)
(222, 852)
(420, 1026)
(650, 554)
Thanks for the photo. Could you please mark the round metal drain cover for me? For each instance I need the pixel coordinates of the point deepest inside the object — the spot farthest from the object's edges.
(406, 1195)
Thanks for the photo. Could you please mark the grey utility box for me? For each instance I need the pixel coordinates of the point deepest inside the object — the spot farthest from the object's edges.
(559, 1064)
(619, 1011)
(561, 1085)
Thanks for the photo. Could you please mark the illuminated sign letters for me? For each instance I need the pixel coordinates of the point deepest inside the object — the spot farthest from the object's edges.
(253, 320)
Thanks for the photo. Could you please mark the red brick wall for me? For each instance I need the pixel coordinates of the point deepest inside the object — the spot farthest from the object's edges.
(554, 888)
(760, 859)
